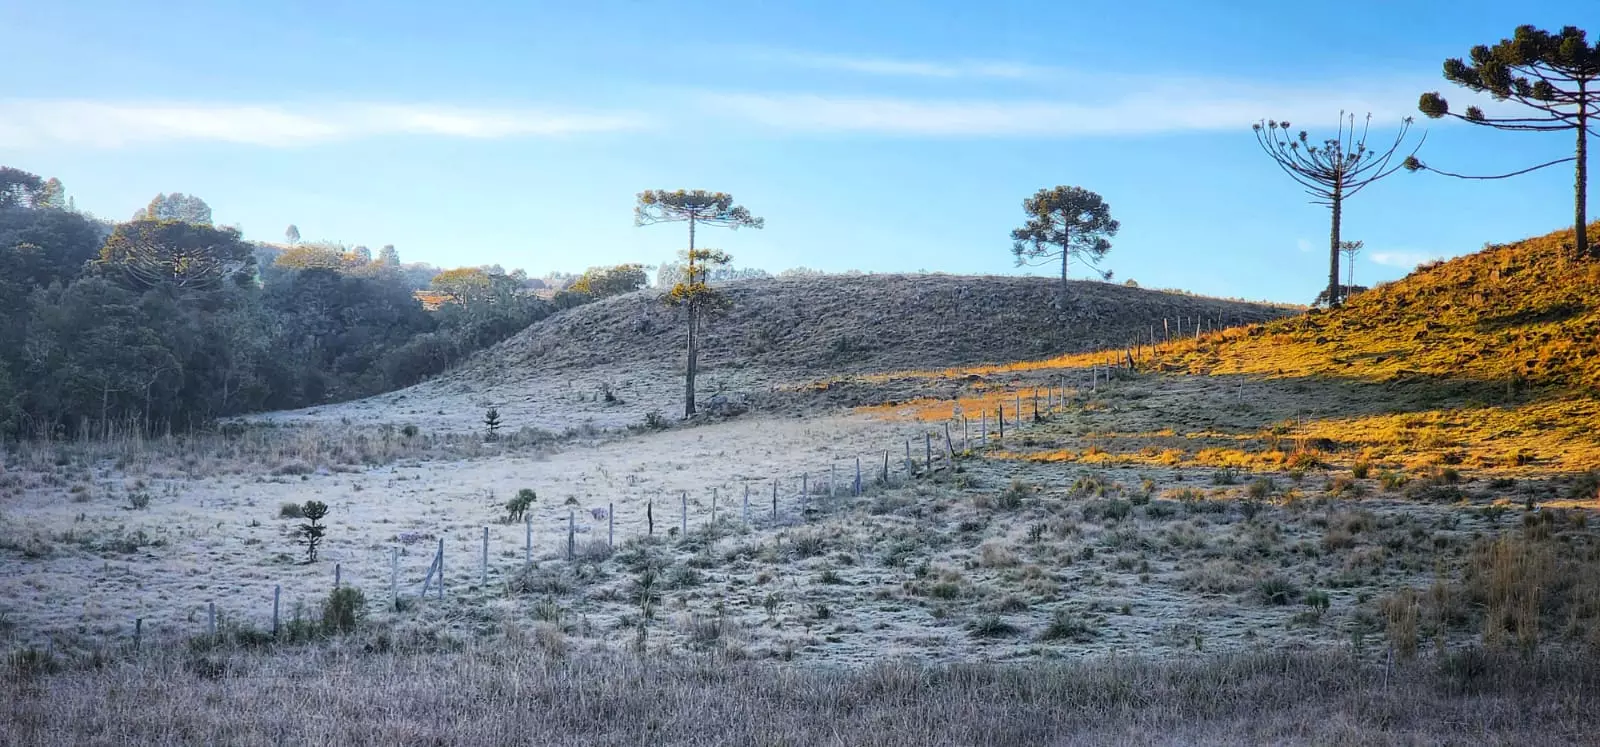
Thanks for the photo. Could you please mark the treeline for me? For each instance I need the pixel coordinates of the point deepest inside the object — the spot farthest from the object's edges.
(168, 321)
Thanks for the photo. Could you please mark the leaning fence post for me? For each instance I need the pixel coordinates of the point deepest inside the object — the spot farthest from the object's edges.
(650, 517)
(950, 444)
(886, 468)
(277, 591)
(441, 568)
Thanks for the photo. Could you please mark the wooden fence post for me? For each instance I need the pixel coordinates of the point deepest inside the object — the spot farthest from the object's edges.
(572, 535)
(211, 619)
(394, 577)
(744, 513)
(611, 525)
(886, 468)
(774, 499)
(484, 577)
(441, 569)
(138, 631)
(713, 507)
(683, 517)
(927, 451)
(277, 592)
(650, 517)
(1001, 419)
(527, 539)
(857, 486)
(337, 574)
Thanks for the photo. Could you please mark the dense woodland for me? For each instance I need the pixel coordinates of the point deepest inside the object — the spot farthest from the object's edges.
(167, 321)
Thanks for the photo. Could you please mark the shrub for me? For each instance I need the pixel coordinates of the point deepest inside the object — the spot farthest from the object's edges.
(139, 501)
(1277, 590)
(1360, 470)
(1391, 480)
(290, 511)
(1225, 476)
(1303, 460)
(344, 610)
(991, 626)
(655, 421)
(517, 507)
(1065, 626)
(1261, 488)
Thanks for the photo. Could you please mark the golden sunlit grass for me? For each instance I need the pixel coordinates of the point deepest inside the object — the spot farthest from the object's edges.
(1487, 362)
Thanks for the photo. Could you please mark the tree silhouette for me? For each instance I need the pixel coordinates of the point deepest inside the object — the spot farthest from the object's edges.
(694, 294)
(292, 234)
(1064, 222)
(1333, 171)
(1553, 74)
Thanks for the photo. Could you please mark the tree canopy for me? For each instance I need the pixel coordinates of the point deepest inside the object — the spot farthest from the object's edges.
(1333, 171)
(1064, 222)
(604, 282)
(178, 254)
(1551, 73)
(176, 206)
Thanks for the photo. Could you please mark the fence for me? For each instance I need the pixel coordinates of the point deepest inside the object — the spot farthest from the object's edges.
(940, 450)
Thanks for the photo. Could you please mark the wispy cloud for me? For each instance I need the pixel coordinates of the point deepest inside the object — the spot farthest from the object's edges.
(1156, 109)
(892, 66)
(31, 123)
(1403, 258)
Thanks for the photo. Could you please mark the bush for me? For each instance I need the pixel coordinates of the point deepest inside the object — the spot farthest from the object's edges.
(1277, 590)
(1065, 626)
(991, 626)
(139, 501)
(290, 511)
(344, 610)
(518, 507)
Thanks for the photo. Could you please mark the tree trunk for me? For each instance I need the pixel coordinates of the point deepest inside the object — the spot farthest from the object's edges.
(1580, 206)
(1333, 250)
(689, 366)
(1065, 255)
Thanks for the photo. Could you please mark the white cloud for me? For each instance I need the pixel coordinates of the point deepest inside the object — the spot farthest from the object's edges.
(1405, 259)
(30, 123)
(1160, 107)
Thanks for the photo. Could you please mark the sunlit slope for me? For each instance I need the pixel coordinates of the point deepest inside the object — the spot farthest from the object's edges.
(1516, 315)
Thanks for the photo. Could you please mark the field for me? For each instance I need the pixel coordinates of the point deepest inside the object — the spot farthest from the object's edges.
(1187, 545)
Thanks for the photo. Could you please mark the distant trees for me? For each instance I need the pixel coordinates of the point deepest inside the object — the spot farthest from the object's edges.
(693, 293)
(176, 206)
(176, 254)
(1064, 222)
(159, 323)
(1555, 75)
(292, 234)
(19, 189)
(1333, 171)
(605, 282)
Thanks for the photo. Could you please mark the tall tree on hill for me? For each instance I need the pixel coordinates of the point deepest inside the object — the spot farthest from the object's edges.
(1064, 222)
(693, 293)
(1553, 74)
(19, 188)
(292, 234)
(1333, 171)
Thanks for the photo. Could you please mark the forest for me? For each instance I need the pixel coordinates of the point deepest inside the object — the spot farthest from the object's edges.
(167, 322)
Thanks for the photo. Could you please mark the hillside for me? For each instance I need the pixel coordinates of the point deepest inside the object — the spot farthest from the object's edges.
(852, 324)
(1511, 316)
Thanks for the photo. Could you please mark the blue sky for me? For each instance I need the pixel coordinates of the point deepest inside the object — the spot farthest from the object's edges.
(884, 136)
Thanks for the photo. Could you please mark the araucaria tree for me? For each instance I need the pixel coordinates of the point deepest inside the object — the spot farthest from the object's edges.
(1333, 171)
(1063, 223)
(697, 207)
(1554, 75)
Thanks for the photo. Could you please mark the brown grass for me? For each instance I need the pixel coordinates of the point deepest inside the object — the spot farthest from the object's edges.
(527, 694)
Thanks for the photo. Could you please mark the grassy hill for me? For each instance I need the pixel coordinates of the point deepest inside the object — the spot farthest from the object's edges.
(864, 323)
(1511, 316)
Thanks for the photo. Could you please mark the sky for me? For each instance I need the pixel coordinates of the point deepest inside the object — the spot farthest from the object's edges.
(885, 136)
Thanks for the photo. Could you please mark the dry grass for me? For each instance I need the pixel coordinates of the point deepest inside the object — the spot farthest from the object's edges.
(522, 692)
